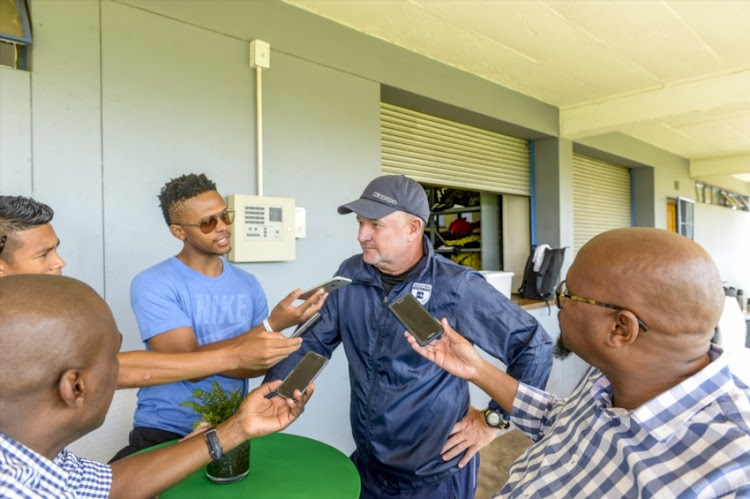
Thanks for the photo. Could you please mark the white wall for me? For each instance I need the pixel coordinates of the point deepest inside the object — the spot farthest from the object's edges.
(66, 131)
(15, 131)
(726, 236)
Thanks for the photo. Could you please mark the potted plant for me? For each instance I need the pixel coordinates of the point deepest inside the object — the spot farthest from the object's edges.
(215, 407)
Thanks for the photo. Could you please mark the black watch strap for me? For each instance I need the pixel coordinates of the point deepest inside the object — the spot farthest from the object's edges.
(212, 440)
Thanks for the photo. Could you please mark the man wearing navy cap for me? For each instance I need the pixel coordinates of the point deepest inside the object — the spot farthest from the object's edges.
(415, 431)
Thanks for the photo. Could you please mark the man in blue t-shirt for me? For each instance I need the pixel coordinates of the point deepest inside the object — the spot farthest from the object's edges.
(197, 301)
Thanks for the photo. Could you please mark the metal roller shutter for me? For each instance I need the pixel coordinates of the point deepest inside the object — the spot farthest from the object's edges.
(441, 152)
(601, 198)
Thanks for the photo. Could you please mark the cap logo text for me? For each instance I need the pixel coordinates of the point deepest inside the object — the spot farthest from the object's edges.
(385, 198)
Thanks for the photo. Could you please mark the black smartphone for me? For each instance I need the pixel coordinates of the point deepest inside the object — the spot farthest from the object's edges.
(305, 327)
(331, 284)
(302, 375)
(416, 319)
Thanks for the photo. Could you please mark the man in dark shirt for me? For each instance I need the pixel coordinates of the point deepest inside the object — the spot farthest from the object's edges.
(416, 433)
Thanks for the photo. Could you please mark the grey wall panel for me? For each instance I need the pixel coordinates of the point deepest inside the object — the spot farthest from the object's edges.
(15, 132)
(644, 197)
(66, 130)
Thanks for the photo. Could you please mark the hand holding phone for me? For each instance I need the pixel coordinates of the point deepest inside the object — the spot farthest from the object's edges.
(416, 319)
(327, 286)
(302, 375)
(305, 327)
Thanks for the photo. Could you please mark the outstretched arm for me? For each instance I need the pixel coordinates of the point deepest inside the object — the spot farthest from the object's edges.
(175, 355)
(147, 368)
(456, 355)
(148, 474)
(245, 356)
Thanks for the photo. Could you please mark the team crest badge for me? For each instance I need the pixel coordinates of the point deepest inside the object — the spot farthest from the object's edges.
(421, 292)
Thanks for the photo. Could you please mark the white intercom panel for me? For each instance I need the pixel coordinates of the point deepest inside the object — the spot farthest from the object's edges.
(263, 229)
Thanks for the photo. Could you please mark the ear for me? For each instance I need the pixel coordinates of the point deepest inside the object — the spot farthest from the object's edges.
(177, 231)
(625, 329)
(415, 226)
(72, 388)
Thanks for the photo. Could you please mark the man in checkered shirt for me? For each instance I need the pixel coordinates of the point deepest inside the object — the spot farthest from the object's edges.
(58, 366)
(659, 413)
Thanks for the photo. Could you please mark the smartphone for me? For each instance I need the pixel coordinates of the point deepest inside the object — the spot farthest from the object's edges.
(302, 375)
(327, 286)
(305, 327)
(416, 319)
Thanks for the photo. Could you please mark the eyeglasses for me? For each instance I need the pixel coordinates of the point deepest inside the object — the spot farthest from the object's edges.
(562, 292)
(2, 243)
(208, 224)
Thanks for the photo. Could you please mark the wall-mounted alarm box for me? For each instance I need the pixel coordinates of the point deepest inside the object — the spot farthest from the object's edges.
(263, 228)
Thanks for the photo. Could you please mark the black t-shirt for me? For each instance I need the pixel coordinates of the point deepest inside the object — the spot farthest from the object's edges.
(391, 281)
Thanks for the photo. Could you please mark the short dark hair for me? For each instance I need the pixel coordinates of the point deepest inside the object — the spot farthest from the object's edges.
(18, 213)
(181, 188)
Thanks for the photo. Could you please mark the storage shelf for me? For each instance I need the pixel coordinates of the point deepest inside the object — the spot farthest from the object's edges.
(458, 249)
(449, 211)
(438, 235)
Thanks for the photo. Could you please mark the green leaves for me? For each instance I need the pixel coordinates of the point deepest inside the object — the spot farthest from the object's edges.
(215, 406)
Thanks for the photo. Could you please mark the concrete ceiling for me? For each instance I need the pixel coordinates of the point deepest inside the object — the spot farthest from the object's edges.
(672, 73)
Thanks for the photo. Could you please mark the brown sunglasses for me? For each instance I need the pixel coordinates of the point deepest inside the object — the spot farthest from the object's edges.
(208, 224)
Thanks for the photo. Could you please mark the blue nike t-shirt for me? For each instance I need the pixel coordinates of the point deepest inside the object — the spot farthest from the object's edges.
(171, 295)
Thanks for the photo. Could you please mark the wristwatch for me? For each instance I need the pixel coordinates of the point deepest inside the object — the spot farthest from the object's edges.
(212, 440)
(495, 420)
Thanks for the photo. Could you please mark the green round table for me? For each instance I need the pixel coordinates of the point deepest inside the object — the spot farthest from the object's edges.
(281, 465)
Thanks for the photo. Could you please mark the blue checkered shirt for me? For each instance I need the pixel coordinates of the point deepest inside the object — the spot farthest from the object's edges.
(26, 474)
(691, 441)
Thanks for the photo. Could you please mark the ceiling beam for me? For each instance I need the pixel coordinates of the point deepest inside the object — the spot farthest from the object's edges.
(727, 92)
(732, 165)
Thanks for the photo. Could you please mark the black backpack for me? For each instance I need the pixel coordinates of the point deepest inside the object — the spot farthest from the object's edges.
(541, 285)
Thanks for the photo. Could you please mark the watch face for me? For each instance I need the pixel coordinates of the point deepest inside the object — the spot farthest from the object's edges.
(493, 418)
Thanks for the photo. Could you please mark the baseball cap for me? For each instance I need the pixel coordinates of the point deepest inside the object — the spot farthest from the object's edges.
(387, 194)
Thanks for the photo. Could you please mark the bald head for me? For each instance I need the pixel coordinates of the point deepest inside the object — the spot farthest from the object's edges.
(58, 360)
(669, 281)
(47, 325)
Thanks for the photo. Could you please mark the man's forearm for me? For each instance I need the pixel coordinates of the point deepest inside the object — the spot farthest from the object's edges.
(498, 385)
(227, 350)
(147, 368)
(176, 356)
(149, 473)
(254, 351)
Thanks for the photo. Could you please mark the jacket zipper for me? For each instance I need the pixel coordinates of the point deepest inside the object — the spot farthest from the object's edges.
(373, 370)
